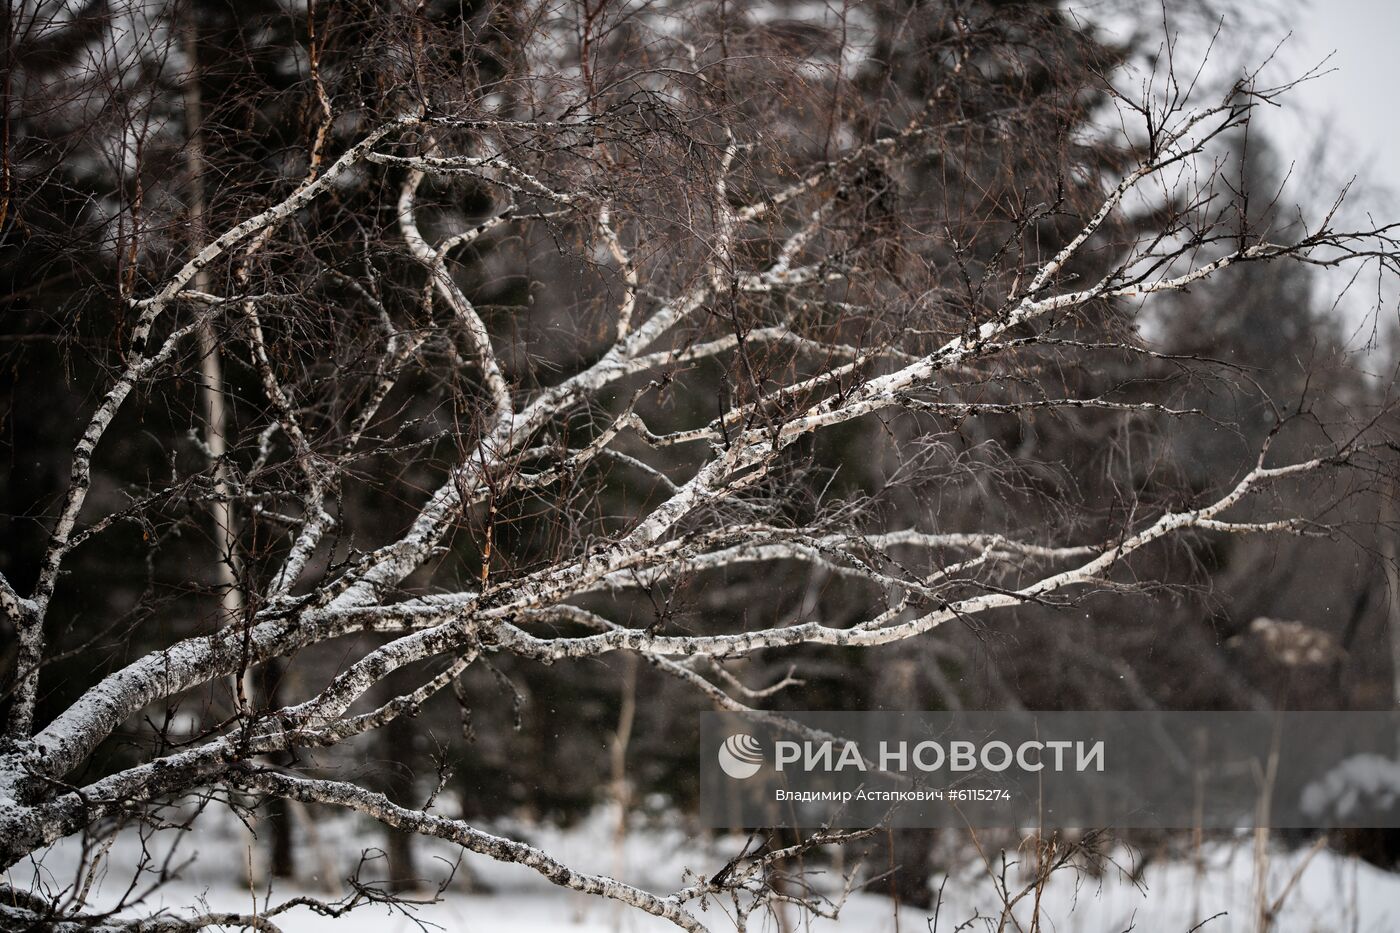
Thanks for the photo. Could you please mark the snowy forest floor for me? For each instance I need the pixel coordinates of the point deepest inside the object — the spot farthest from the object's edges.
(1332, 893)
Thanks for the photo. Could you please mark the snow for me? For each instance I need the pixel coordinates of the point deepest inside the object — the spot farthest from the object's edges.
(1333, 893)
(1359, 784)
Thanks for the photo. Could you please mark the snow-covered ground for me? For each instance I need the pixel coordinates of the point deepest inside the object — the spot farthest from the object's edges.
(1333, 893)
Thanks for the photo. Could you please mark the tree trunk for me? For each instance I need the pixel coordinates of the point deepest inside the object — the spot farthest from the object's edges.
(903, 857)
(281, 836)
(397, 749)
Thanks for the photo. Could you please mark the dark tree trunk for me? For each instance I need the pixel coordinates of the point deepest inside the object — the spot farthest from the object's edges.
(282, 861)
(904, 857)
(397, 749)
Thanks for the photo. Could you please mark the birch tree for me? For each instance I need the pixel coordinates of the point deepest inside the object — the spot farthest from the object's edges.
(586, 298)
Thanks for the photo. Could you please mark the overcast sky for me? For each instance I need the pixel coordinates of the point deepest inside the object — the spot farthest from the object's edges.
(1347, 122)
(1359, 102)
(1343, 123)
